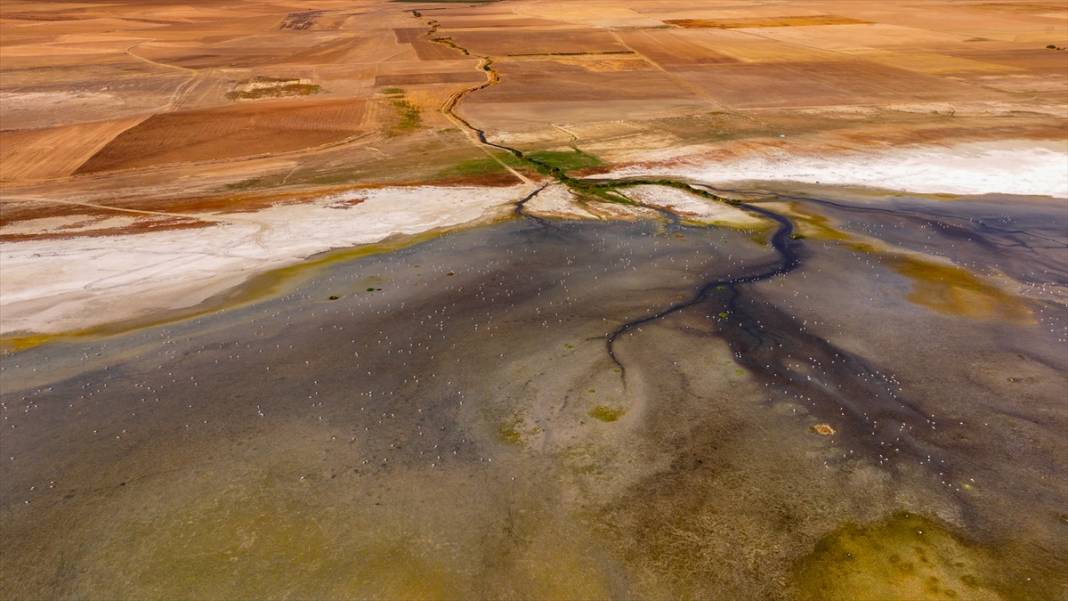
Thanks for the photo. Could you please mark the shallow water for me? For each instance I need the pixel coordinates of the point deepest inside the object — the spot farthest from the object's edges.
(453, 426)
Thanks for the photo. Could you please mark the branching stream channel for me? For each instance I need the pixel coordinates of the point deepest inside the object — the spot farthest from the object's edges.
(608, 190)
(755, 345)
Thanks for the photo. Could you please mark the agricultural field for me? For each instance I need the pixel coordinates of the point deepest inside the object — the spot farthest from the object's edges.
(105, 82)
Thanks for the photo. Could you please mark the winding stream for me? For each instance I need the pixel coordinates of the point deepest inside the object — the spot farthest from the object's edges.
(781, 242)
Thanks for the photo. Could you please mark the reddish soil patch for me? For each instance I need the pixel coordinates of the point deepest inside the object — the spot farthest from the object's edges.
(409, 79)
(407, 35)
(430, 51)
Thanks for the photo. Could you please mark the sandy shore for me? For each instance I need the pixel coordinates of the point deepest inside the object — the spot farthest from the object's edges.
(101, 279)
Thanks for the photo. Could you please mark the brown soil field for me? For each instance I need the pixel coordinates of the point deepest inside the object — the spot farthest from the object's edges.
(552, 81)
(407, 35)
(33, 154)
(122, 99)
(673, 48)
(495, 23)
(228, 133)
(1030, 61)
(520, 41)
(751, 22)
(850, 39)
(429, 51)
(821, 84)
(408, 79)
(748, 48)
(40, 102)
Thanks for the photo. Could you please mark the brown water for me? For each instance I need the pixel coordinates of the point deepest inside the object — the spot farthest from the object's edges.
(452, 426)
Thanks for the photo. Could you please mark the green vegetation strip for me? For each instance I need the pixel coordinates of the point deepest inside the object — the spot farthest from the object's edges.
(607, 414)
(408, 114)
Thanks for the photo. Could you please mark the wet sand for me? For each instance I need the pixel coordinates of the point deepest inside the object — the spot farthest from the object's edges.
(446, 420)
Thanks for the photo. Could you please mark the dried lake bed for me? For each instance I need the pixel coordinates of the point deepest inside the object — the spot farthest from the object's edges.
(868, 405)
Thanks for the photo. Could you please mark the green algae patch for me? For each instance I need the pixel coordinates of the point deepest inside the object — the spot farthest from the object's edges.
(282, 91)
(570, 160)
(487, 169)
(477, 167)
(408, 116)
(760, 237)
(815, 226)
(509, 431)
(606, 413)
(760, 233)
(14, 344)
(952, 290)
(272, 87)
(242, 545)
(937, 285)
(602, 193)
(904, 557)
(514, 430)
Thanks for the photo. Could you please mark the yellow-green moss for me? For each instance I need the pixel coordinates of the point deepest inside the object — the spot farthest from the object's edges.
(937, 285)
(257, 546)
(409, 117)
(952, 290)
(509, 432)
(279, 91)
(606, 413)
(903, 557)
